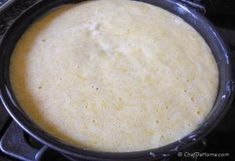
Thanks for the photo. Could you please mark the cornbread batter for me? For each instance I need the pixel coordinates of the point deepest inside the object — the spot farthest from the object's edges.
(114, 75)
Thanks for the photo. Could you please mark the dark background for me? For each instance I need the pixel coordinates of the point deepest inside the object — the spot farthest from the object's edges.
(222, 14)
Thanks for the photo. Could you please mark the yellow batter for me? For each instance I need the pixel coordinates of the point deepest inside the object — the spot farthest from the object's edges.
(114, 75)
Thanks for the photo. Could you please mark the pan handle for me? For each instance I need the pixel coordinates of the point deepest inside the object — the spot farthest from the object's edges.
(17, 144)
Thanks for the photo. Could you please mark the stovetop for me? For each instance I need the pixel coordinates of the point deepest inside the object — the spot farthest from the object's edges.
(17, 145)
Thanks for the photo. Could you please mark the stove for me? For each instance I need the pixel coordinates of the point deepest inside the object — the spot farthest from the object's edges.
(17, 145)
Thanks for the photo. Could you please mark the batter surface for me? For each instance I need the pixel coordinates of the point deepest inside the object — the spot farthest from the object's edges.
(114, 75)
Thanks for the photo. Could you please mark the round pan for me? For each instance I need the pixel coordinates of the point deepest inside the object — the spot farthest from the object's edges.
(208, 32)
